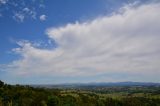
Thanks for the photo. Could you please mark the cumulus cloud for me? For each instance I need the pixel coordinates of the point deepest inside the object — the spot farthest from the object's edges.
(123, 46)
(43, 17)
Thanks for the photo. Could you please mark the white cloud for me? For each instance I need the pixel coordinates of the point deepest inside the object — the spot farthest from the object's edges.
(41, 6)
(29, 12)
(26, 9)
(24, 13)
(19, 10)
(43, 17)
(19, 17)
(3, 1)
(126, 43)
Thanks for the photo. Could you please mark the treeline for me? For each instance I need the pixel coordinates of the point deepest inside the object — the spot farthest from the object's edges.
(16, 95)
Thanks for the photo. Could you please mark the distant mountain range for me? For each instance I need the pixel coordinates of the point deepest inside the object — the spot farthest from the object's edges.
(101, 84)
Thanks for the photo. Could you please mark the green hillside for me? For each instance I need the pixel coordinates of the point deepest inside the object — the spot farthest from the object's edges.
(17, 95)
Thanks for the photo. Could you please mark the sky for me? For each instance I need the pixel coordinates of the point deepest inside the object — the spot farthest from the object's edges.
(79, 41)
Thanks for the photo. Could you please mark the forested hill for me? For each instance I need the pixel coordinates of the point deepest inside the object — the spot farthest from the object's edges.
(18, 95)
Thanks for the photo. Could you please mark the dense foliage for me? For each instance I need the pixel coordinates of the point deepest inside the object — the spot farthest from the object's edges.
(16, 95)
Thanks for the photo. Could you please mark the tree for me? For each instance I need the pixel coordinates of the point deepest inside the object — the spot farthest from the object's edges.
(1, 83)
(53, 101)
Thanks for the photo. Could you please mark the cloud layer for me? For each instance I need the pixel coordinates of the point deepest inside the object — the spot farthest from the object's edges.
(120, 47)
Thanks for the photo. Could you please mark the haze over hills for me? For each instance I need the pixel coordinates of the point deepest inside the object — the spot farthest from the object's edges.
(95, 84)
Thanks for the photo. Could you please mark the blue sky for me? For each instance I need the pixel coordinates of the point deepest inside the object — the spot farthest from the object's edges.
(57, 12)
(58, 41)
